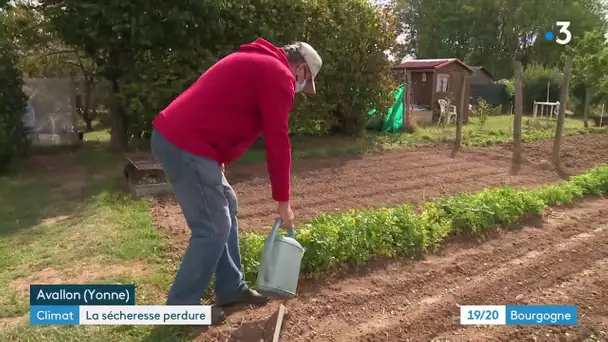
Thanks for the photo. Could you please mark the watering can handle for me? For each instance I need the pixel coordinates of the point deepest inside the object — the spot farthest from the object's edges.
(267, 255)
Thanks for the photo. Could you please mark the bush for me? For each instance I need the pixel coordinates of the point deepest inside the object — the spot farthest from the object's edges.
(535, 82)
(13, 133)
(354, 74)
(355, 237)
(509, 86)
(483, 110)
(597, 120)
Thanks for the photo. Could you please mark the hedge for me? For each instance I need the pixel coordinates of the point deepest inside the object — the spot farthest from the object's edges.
(13, 133)
(355, 237)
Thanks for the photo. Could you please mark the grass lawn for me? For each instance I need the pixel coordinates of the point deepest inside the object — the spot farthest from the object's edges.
(65, 220)
(71, 224)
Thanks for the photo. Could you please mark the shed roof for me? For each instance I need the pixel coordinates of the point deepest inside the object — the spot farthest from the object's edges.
(484, 70)
(432, 63)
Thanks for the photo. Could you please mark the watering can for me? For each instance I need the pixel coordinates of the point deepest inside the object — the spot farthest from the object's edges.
(280, 264)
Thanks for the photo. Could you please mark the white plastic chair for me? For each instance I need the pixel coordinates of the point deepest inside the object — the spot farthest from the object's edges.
(448, 112)
(556, 110)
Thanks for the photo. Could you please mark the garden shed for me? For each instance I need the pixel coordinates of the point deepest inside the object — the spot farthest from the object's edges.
(481, 76)
(484, 86)
(51, 112)
(434, 79)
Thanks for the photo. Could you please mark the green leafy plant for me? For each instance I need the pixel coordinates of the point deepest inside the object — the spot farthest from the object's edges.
(355, 237)
(482, 111)
(509, 86)
(531, 132)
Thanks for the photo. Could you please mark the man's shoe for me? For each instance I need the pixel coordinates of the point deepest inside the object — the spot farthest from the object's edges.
(247, 297)
(218, 316)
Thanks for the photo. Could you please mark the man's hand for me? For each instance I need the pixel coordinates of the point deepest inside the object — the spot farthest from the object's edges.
(286, 214)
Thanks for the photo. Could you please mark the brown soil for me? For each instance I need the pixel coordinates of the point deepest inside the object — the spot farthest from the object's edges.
(561, 259)
(9, 322)
(385, 179)
(77, 275)
(55, 219)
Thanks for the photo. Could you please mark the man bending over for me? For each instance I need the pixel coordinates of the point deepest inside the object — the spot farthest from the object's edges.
(210, 125)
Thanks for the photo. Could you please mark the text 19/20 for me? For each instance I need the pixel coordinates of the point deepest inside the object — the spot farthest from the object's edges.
(483, 315)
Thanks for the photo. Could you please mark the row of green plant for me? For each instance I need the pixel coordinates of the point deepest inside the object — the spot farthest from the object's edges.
(476, 135)
(482, 138)
(354, 237)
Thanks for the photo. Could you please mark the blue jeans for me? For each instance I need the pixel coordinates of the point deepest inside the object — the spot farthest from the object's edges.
(210, 207)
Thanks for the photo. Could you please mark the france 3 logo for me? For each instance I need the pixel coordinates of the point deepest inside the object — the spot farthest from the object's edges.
(563, 37)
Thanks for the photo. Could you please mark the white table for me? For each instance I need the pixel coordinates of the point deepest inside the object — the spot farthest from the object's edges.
(542, 105)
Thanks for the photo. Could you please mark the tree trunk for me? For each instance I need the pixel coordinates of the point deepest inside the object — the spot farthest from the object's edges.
(90, 102)
(118, 120)
(88, 123)
(517, 112)
(559, 130)
(586, 111)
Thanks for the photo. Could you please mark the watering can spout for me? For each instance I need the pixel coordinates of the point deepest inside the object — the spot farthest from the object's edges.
(280, 264)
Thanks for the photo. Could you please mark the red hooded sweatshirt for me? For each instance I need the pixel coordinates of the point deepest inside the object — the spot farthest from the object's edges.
(244, 95)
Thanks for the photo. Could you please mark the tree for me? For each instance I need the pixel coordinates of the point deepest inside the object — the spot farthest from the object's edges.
(13, 133)
(43, 54)
(150, 51)
(490, 33)
(590, 66)
(118, 37)
(536, 78)
(584, 15)
(561, 117)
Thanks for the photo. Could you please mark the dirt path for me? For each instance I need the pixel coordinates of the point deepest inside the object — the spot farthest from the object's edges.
(372, 180)
(561, 259)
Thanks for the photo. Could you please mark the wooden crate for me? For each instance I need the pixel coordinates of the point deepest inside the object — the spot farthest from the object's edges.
(137, 170)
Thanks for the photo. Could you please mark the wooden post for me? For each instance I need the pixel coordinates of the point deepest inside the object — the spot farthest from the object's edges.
(563, 103)
(586, 111)
(518, 112)
(279, 324)
(459, 112)
(406, 100)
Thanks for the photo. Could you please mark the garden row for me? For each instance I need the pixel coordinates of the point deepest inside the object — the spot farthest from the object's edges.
(482, 138)
(355, 237)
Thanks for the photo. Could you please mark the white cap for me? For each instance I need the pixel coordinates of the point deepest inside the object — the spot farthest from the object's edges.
(314, 63)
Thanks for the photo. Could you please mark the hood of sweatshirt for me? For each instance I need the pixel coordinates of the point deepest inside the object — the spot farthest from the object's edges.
(261, 45)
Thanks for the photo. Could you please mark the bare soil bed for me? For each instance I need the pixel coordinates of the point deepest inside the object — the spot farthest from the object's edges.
(386, 179)
(561, 259)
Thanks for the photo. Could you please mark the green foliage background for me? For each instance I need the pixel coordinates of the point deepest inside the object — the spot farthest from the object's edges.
(150, 51)
(13, 133)
(144, 53)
